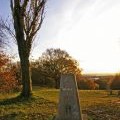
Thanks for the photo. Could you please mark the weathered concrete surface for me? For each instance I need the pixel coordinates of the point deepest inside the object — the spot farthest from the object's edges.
(85, 117)
(69, 107)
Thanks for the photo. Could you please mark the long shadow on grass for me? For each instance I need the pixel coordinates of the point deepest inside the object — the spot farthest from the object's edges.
(21, 115)
(17, 99)
(21, 100)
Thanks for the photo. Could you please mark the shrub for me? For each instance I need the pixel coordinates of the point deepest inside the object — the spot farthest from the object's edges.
(8, 82)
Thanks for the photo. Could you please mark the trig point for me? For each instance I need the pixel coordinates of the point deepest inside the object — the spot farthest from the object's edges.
(69, 107)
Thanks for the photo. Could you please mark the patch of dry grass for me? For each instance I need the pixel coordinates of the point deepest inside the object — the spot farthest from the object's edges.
(43, 106)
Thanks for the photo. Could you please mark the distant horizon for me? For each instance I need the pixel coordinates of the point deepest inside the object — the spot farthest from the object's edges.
(99, 73)
(88, 73)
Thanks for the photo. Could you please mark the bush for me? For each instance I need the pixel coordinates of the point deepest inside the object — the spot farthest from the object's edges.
(85, 84)
(8, 82)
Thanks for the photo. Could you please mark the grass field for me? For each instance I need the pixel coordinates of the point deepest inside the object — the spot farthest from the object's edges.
(43, 106)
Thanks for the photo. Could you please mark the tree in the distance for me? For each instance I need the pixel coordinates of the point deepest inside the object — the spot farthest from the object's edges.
(115, 84)
(27, 17)
(56, 62)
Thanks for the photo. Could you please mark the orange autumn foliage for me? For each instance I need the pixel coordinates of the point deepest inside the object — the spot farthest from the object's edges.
(8, 82)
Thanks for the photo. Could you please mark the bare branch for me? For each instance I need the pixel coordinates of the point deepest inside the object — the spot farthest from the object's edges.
(5, 31)
(40, 23)
(11, 5)
(37, 11)
(37, 18)
(24, 5)
(6, 27)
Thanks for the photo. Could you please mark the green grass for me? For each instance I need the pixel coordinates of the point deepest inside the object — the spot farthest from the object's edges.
(43, 106)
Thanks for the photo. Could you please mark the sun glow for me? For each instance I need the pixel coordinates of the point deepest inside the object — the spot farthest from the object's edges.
(88, 31)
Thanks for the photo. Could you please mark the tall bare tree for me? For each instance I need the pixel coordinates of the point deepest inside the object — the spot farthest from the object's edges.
(27, 16)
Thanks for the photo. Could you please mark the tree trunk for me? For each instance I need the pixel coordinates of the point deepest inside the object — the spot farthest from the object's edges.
(26, 77)
(27, 18)
(57, 83)
(56, 87)
(111, 92)
(119, 93)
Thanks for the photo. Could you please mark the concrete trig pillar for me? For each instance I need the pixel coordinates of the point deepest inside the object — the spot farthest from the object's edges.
(69, 106)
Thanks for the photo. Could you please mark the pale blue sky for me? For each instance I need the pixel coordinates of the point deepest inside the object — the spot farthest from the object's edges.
(4, 8)
(89, 30)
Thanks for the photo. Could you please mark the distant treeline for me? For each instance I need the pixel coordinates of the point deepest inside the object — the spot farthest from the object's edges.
(46, 72)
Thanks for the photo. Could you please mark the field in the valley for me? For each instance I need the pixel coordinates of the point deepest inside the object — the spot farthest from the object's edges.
(97, 104)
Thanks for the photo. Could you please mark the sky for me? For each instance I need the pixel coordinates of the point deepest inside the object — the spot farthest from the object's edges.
(89, 30)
